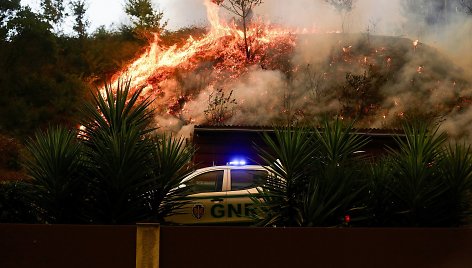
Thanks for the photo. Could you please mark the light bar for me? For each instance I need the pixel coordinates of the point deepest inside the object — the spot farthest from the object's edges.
(237, 163)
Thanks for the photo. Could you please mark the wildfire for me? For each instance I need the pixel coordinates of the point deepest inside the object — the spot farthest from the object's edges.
(218, 59)
(221, 45)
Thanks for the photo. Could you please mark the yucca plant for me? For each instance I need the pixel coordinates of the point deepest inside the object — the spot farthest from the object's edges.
(289, 159)
(55, 166)
(171, 163)
(337, 180)
(418, 185)
(315, 180)
(456, 172)
(118, 154)
(378, 196)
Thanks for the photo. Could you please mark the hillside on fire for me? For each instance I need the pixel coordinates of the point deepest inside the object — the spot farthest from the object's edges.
(300, 78)
(239, 68)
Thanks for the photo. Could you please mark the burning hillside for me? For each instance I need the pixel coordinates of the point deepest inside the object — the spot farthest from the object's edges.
(295, 76)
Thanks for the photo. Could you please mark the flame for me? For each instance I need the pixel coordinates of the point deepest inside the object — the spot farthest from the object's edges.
(223, 40)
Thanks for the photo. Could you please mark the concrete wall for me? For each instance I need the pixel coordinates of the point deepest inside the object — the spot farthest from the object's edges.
(63, 246)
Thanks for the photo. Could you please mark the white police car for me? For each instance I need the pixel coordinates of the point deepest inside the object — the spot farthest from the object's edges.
(221, 194)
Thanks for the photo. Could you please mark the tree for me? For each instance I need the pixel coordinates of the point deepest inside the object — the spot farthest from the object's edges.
(81, 23)
(343, 7)
(53, 11)
(8, 9)
(242, 9)
(144, 17)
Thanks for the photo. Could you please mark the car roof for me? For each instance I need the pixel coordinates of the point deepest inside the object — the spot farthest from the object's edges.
(232, 167)
(212, 168)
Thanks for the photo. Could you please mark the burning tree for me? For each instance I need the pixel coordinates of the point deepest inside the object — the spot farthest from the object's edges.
(242, 9)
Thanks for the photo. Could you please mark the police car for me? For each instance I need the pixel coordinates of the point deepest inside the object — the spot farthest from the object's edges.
(220, 194)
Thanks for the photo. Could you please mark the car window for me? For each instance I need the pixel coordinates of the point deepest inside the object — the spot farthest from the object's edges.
(244, 179)
(207, 182)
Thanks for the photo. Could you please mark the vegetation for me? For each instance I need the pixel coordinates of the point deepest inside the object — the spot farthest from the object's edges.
(319, 179)
(144, 17)
(117, 171)
(56, 166)
(315, 176)
(114, 171)
(220, 107)
(243, 10)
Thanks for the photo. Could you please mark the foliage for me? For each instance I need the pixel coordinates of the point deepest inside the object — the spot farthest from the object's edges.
(456, 173)
(8, 8)
(53, 11)
(55, 166)
(15, 207)
(117, 153)
(424, 183)
(288, 159)
(80, 22)
(144, 17)
(37, 88)
(171, 159)
(314, 178)
(336, 182)
(379, 198)
(417, 181)
(220, 107)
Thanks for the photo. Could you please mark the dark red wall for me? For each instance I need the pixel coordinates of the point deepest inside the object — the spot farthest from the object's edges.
(315, 247)
(64, 246)
(67, 246)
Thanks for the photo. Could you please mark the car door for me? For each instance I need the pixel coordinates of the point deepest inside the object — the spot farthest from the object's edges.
(207, 200)
(242, 184)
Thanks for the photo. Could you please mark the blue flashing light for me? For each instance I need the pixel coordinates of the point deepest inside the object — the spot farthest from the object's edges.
(237, 162)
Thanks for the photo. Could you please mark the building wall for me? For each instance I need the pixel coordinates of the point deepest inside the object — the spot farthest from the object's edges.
(219, 145)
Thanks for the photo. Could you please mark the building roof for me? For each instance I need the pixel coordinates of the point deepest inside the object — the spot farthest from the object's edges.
(235, 128)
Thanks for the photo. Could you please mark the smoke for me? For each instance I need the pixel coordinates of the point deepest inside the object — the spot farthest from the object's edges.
(374, 71)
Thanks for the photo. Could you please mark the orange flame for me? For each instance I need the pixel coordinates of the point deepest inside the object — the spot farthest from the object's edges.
(155, 65)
